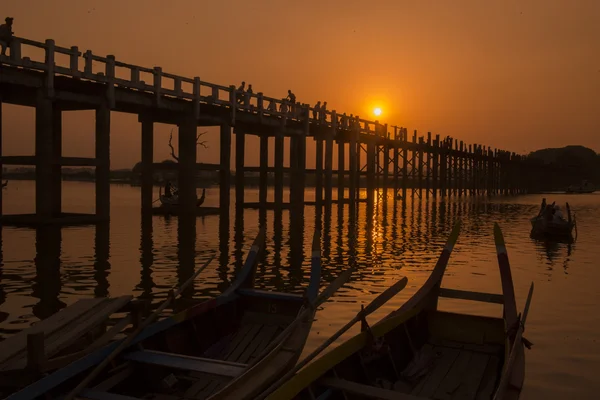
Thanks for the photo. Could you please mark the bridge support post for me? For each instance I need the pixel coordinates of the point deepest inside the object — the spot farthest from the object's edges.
(1, 209)
(353, 167)
(319, 175)
(293, 174)
(103, 162)
(44, 124)
(341, 172)
(435, 165)
(371, 150)
(147, 162)
(301, 165)
(328, 168)
(225, 169)
(264, 166)
(187, 169)
(56, 158)
(279, 170)
(240, 146)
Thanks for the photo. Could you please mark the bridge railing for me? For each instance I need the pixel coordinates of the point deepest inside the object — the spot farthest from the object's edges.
(113, 73)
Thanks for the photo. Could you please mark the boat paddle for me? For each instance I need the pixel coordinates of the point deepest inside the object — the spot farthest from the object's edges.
(172, 295)
(374, 305)
(326, 294)
(513, 354)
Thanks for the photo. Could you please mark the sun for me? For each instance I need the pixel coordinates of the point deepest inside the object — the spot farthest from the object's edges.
(377, 111)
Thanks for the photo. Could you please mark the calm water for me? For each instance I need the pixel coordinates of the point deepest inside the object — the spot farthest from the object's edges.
(43, 271)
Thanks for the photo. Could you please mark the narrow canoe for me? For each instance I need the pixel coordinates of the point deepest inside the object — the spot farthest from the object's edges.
(197, 352)
(420, 352)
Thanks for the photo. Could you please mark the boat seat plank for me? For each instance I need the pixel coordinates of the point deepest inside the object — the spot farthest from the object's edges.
(490, 377)
(178, 361)
(486, 348)
(18, 342)
(271, 295)
(429, 383)
(453, 378)
(473, 296)
(237, 338)
(366, 390)
(472, 379)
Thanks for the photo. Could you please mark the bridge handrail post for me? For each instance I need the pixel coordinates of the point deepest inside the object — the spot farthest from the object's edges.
(15, 50)
(306, 116)
(260, 105)
(110, 81)
(87, 69)
(49, 47)
(157, 72)
(196, 93)
(233, 102)
(74, 61)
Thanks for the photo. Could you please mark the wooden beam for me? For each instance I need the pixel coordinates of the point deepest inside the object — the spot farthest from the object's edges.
(474, 296)
(366, 390)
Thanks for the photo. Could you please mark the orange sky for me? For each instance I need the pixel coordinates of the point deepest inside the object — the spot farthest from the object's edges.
(517, 75)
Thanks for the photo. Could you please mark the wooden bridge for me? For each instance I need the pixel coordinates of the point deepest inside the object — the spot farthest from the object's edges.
(380, 156)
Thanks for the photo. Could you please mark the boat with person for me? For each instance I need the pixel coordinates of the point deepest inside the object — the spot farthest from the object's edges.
(550, 221)
(232, 346)
(420, 352)
(170, 203)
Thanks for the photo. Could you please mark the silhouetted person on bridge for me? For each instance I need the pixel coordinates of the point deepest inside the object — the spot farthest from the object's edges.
(316, 110)
(248, 94)
(6, 34)
(291, 97)
(323, 111)
(240, 93)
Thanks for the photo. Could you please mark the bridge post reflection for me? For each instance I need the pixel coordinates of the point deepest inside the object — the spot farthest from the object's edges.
(186, 253)
(102, 255)
(47, 282)
(146, 258)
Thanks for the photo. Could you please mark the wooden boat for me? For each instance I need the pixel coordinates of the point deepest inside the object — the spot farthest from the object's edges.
(212, 350)
(419, 352)
(173, 200)
(551, 222)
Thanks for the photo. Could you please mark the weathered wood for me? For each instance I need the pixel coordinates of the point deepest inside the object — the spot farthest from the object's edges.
(475, 296)
(188, 363)
(366, 390)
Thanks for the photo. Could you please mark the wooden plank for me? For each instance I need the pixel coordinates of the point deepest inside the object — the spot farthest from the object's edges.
(490, 378)
(486, 348)
(98, 395)
(454, 377)
(178, 361)
(271, 295)
(18, 343)
(238, 338)
(472, 379)
(474, 296)
(115, 379)
(244, 344)
(430, 383)
(265, 333)
(366, 390)
(251, 317)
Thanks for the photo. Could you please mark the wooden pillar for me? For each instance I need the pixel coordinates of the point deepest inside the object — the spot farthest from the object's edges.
(1, 166)
(435, 165)
(461, 170)
(264, 167)
(329, 167)
(301, 172)
(428, 165)
(147, 162)
(386, 168)
(341, 168)
(359, 166)
(371, 150)
(396, 150)
(187, 168)
(420, 163)
(319, 173)
(240, 146)
(103, 160)
(56, 192)
(293, 174)
(353, 166)
(279, 170)
(404, 164)
(43, 156)
(225, 168)
(443, 165)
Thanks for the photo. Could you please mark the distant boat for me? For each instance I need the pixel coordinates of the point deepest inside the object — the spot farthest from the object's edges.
(585, 187)
(173, 200)
(551, 222)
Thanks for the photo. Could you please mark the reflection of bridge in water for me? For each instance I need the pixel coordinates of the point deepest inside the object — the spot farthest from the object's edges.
(360, 238)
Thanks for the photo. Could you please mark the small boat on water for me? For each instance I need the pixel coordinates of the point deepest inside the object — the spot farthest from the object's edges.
(585, 187)
(419, 352)
(173, 199)
(170, 205)
(229, 347)
(551, 222)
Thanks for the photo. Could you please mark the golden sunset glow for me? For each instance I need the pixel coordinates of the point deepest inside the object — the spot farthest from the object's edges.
(377, 111)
